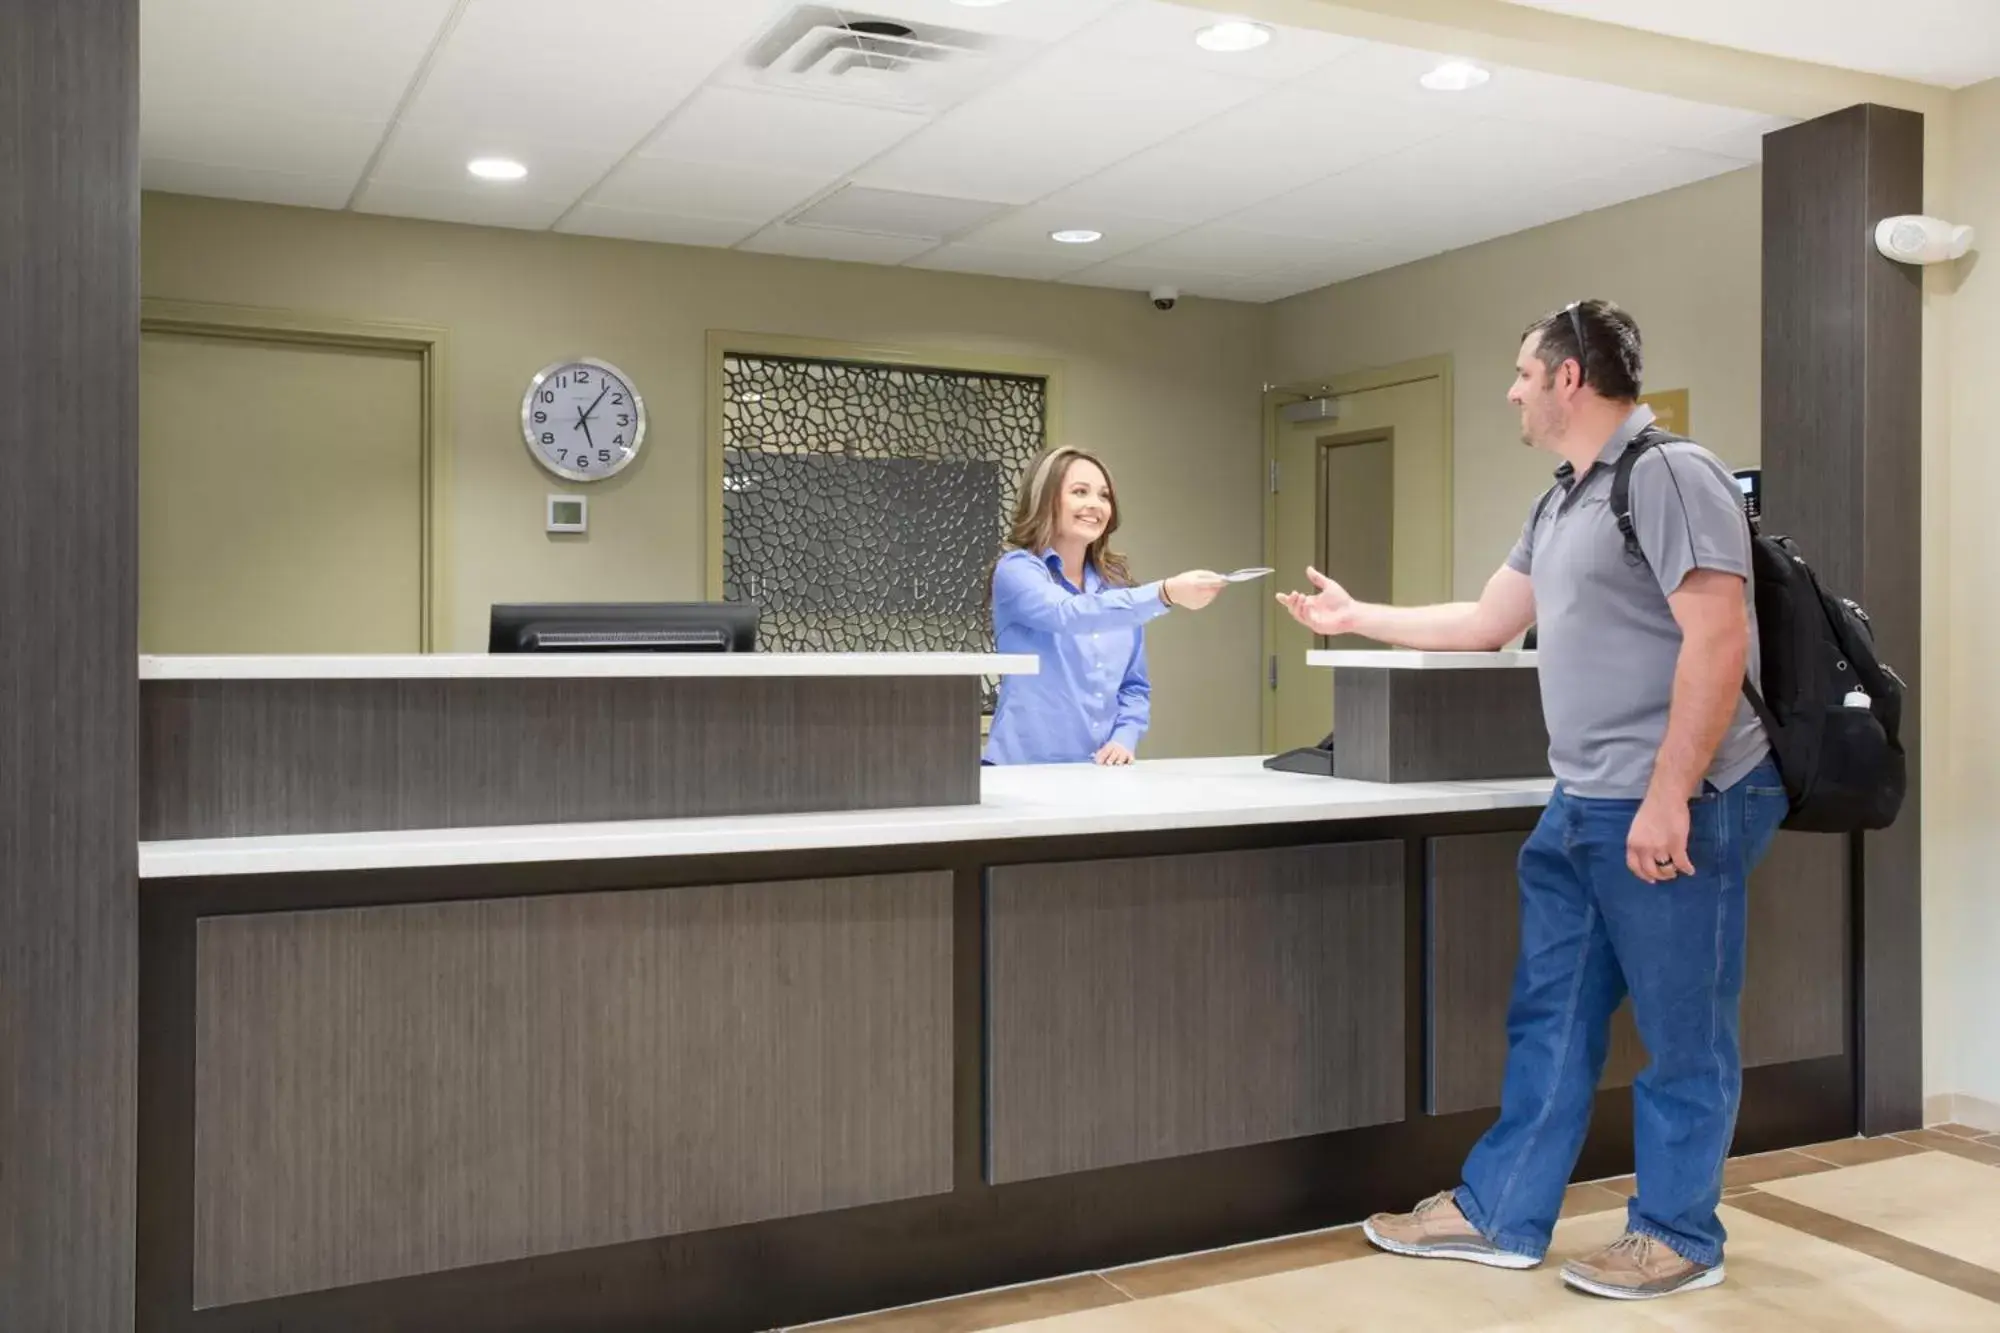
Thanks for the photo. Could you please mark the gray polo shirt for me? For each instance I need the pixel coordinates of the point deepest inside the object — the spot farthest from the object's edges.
(1607, 641)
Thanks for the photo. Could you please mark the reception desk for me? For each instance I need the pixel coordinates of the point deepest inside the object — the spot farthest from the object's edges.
(742, 1072)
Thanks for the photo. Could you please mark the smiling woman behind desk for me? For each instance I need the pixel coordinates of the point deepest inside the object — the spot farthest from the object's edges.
(1061, 593)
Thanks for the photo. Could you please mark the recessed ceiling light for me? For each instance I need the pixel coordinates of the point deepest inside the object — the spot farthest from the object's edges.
(1076, 236)
(496, 169)
(1454, 76)
(1232, 35)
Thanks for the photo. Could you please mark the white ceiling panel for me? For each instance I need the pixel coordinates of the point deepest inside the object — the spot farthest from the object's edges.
(1141, 278)
(480, 207)
(1238, 252)
(436, 155)
(1032, 20)
(1649, 173)
(1026, 230)
(248, 183)
(1068, 116)
(341, 58)
(823, 243)
(1045, 266)
(1258, 151)
(1387, 74)
(601, 73)
(1162, 32)
(634, 225)
(268, 139)
(706, 189)
(780, 132)
(1948, 42)
(1453, 181)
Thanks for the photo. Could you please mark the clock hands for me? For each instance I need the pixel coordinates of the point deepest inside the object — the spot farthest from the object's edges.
(583, 416)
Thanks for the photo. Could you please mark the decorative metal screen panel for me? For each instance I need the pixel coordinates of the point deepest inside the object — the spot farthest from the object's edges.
(863, 505)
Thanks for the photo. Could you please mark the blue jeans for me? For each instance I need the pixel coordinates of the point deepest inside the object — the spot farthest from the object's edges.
(1590, 932)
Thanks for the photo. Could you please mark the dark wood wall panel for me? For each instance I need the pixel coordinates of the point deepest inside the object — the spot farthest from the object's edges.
(236, 758)
(1794, 1007)
(1842, 456)
(388, 1091)
(69, 382)
(1438, 725)
(1157, 1007)
(1794, 993)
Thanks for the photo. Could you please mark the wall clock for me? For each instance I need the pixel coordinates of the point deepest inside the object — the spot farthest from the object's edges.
(582, 419)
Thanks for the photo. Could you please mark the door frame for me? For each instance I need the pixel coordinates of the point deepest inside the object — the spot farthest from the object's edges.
(1437, 368)
(431, 347)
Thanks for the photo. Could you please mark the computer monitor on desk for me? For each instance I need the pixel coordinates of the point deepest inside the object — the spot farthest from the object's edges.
(623, 627)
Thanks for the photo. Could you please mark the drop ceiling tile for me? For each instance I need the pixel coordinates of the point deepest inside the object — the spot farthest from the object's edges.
(821, 243)
(1158, 30)
(435, 157)
(1389, 74)
(1026, 231)
(705, 189)
(1270, 146)
(634, 225)
(604, 73)
(1451, 180)
(961, 258)
(1948, 42)
(1144, 277)
(1647, 174)
(1746, 141)
(274, 139)
(931, 217)
(780, 132)
(1035, 20)
(1223, 249)
(1068, 116)
(231, 182)
(479, 208)
(340, 58)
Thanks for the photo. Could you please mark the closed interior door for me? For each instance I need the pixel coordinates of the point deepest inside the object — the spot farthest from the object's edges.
(1366, 500)
(281, 497)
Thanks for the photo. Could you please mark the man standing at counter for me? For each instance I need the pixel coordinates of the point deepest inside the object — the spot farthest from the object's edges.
(1666, 797)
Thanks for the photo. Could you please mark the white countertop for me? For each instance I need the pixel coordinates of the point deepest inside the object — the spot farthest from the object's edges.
(1018, 802)
(432, 666)
(1404, 659)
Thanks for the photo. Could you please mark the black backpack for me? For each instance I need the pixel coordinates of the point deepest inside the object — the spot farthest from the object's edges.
(1843, 766)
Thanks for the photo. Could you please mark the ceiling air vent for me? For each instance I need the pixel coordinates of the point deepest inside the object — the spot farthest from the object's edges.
(856, 56)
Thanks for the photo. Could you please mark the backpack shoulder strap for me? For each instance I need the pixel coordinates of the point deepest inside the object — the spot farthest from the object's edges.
(1621, 485)
(1542, 504)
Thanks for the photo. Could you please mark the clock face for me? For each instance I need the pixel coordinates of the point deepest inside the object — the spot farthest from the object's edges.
(582, 420)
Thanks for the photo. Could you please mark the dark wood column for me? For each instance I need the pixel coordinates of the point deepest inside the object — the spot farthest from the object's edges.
(69, 333)
(1843, 421)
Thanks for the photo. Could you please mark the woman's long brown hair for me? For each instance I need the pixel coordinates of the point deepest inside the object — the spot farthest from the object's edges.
(1040, 497)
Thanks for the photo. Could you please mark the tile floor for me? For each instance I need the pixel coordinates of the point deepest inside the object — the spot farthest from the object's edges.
(1860, 1236)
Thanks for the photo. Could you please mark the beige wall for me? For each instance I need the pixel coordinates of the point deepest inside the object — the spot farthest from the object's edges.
(1172, 400)
(1685, 263)
(1962, 907)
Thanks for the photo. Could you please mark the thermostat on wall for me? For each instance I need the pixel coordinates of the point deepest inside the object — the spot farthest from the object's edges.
(569, 513)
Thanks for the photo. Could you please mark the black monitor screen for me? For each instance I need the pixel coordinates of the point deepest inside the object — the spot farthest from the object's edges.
(624, 627)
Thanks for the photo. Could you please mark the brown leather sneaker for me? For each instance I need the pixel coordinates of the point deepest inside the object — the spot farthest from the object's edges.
(1435, 1229)
(1638, 1268)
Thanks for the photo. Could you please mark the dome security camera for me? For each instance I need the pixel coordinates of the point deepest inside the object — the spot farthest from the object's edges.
(1911, 238)
(1165, 297)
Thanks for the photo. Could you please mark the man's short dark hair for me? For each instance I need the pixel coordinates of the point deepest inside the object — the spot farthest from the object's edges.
(1609, 354)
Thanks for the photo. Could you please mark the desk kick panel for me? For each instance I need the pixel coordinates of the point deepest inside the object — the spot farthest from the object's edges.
(389, 1091)
(1165, 1006)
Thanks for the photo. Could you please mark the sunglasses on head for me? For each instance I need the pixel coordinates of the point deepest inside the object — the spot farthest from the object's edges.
(1576, 328)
